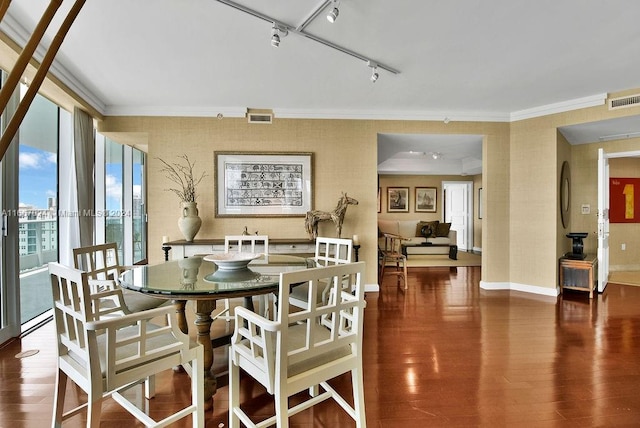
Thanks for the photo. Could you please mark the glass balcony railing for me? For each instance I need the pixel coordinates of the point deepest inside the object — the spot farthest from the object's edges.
(35, 288)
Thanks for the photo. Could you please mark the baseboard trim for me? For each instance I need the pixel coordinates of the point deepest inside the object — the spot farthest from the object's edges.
(371, 288)
(514, 286)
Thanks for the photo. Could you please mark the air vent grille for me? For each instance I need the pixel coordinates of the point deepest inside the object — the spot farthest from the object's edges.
(260, 118)
(624, 102)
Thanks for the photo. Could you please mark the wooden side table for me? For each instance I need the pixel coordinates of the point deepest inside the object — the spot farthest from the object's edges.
(579, 274)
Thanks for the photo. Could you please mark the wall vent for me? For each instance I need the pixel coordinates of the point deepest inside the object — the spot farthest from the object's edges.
(624, 102)
(260, 117)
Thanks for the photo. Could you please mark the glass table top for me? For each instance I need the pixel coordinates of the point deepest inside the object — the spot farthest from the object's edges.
(195, 278)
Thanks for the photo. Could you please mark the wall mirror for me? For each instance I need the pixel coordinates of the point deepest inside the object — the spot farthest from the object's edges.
(565, 192)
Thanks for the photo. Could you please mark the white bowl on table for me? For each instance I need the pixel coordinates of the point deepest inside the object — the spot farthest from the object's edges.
(232, 261)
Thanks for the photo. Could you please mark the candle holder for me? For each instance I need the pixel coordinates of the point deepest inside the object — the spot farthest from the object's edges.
(356, 249)
(166, 249)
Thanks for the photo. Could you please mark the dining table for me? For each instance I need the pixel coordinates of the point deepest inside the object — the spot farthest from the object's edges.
(201, 281)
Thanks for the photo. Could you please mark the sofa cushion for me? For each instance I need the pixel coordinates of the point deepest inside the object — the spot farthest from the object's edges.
(442, 229)
(427, 229)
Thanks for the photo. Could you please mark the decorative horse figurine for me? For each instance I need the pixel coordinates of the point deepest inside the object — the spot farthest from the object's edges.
(337, 216)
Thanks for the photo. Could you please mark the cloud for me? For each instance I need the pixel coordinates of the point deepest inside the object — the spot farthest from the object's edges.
(113, 187)
(36, 160)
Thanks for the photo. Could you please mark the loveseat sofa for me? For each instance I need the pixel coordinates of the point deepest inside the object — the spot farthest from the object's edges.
(423, 237)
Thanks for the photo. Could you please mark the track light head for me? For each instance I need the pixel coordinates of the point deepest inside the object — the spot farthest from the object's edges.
(333, 15)
(276, 33)
(374, 75)
(374, 71)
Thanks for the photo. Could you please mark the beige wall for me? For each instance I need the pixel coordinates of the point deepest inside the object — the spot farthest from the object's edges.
(345, 159)
(522, 236)
(536, 150)
(413, 181)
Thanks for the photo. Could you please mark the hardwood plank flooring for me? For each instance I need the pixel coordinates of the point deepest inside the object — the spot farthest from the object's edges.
(442, 353)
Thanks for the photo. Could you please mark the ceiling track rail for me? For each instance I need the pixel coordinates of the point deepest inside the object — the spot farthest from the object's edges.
(300, 31)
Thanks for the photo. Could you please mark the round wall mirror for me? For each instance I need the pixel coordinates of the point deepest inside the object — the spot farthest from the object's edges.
(565, 192)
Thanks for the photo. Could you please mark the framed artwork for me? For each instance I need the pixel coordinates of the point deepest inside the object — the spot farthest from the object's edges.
(379, 205)
(263, 184)
(480, 207)
(397, 199)
(426, 199)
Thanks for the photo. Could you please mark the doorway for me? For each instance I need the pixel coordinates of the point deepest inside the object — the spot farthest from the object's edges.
(458, 210)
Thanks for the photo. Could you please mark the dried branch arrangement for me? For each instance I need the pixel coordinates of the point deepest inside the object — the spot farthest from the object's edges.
(183, 176)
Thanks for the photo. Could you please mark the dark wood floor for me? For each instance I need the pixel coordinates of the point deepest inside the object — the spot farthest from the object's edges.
(443, 353)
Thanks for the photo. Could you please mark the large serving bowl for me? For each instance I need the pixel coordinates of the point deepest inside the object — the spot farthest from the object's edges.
(232, 261)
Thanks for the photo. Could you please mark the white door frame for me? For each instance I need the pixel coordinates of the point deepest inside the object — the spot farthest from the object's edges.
(603, 212)
(469, 213)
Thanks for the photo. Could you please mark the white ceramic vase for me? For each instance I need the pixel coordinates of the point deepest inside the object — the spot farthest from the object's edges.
(189, 223)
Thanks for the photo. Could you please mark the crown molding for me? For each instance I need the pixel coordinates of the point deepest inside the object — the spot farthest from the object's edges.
(16, 32)
(176, 111)
(561, 107)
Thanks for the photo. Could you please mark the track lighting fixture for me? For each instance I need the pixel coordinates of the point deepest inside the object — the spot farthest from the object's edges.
(374, 71)
(333, 15)
(275, 40)
(276, 33)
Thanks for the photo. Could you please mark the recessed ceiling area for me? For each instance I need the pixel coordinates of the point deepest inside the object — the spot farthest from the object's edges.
(604, 130)
(429, 154)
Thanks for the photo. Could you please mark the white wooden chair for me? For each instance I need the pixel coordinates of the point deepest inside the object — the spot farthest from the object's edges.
(246, 244)
(104, 357)
(302, 349)
(329, 251)
(103, 269)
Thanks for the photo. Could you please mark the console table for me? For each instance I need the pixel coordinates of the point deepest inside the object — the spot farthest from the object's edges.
(181, 248)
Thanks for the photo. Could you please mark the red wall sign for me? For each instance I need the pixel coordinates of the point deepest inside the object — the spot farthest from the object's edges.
(624, 200)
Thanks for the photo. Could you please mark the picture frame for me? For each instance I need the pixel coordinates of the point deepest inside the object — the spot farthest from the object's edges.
(426, 200)
(480, 207)
(263, 184)
(397, 199)
(379, 202)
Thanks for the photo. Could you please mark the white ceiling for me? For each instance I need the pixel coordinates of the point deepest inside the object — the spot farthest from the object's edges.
(490, 61)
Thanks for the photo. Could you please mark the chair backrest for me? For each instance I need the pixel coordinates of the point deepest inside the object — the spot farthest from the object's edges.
(392, 243)
(333, 251)
(72, 310)
(325, 334)
(247, 243)
(99, 261)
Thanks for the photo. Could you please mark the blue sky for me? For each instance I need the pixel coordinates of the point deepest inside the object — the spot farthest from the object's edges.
(38, 179)
(37, 175)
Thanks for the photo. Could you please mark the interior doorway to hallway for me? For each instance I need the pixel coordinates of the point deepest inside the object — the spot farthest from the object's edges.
(458, 210)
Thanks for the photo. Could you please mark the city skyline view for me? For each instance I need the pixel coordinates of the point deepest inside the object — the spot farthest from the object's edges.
(38, 179)
(37, 176)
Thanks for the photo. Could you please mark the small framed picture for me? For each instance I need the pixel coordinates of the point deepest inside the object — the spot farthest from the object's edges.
(426, 199)
(379, 204)
(397, 199)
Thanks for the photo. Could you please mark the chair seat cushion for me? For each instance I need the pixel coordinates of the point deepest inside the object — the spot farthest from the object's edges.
(297, 338)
